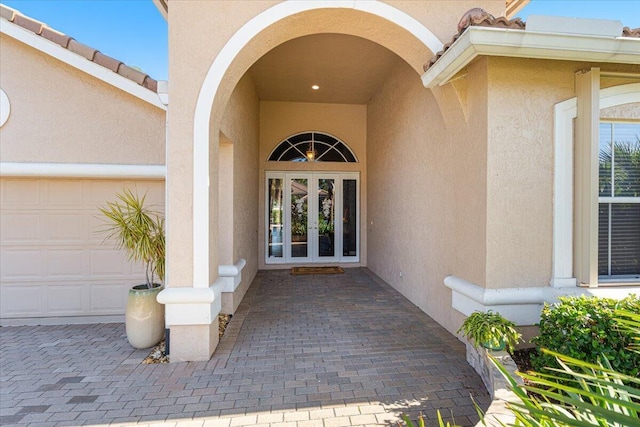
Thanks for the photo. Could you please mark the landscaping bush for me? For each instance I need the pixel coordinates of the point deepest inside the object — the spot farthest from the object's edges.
(585, 328)
(579, 393)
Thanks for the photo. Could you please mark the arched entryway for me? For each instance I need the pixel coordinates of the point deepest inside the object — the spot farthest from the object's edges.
(234, 118)
(375, 21)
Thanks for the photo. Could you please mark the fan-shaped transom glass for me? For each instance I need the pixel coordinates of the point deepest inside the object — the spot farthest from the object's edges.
(312, 146)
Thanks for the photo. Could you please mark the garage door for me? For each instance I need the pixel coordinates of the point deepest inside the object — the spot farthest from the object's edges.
(53, 262)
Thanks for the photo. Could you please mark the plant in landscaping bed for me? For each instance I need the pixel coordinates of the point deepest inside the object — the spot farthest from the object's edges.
(579, 393)
(585, 328)
(138, 230)
(491, 330)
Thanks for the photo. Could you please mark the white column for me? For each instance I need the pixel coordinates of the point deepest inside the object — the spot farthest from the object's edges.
(586, 176)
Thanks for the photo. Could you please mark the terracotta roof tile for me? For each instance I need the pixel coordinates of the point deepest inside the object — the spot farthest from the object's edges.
(78, 48)
(132, 74)
(150, 84)
(480, 18)
(107, 61)
(27, 23)
(82, 49)
(630, 32)
(55, 36)
(7, 13)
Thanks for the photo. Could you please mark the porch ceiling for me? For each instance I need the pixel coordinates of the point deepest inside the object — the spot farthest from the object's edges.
(348, 70)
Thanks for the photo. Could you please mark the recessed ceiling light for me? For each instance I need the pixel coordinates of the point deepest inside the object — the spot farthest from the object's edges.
(315, 87)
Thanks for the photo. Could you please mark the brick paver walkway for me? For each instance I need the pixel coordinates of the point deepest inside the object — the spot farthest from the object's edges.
(321, 350)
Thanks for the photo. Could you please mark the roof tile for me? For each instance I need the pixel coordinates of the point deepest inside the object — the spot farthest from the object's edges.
(81, 49)
(481, 18)
(74, 46)
(131, 74)
(150, 84)
(107, 61)
(630, 32)
(6, 12)
(27, 23)
(56, 37)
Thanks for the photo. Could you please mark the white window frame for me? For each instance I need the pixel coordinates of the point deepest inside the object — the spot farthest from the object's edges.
(563, 207)
(611, 200)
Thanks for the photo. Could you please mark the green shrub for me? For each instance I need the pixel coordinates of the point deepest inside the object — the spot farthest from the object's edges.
(585, 328)
(579, 393)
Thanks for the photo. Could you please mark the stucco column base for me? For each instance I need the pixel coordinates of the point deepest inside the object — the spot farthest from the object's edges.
(193, 343)
(191, 314)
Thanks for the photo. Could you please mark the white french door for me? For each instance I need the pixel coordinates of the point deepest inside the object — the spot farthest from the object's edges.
(312, 217)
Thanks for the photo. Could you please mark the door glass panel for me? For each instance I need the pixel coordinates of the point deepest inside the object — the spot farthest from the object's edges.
(299, 209)
(275, 218)
(326, 218)
(349, 223)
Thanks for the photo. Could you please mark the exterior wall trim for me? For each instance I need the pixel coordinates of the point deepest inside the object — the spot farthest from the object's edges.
(565, 112)
(476, 41)
(80, 63)
(520, 305)
(81, 170)
(214, 78)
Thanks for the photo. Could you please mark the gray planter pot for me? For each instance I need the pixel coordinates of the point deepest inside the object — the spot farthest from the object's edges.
(144, 317)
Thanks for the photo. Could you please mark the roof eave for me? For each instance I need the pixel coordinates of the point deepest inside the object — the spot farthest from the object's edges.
(52, 49)
(476, 41)
(163, 7)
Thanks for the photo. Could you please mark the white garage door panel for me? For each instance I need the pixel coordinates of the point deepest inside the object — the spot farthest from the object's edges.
(18, 193)
(65, 193)
(65, 300)
(65, 227)
(53, 260)
(20, 263)
(66, 263)
(108, 299)
(22, 301)
(112, 263)
(16, 228)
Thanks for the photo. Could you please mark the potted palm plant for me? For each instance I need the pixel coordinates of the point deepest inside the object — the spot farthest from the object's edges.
(490, 330)
(139, 231)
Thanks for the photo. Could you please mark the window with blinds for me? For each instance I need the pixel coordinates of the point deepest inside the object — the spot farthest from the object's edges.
(619, 202)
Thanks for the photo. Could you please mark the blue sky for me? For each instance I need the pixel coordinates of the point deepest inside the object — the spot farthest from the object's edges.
(133, 31)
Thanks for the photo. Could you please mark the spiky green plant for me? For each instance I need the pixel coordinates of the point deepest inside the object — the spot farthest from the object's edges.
(595, 394)
(137, 230)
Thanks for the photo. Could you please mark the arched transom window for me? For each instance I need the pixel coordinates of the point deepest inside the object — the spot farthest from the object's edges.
(312, 147)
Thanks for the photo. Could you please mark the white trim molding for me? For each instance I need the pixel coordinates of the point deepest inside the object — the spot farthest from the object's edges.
(215, 76)
(476, 41)
(5, 108)
(81, 170)
(191, 306)
(81, 63)
(231, 275)
(520, 305)
(563, 197)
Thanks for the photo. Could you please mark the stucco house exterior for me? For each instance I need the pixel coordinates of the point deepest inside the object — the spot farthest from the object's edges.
(458, 154)
(77, 126)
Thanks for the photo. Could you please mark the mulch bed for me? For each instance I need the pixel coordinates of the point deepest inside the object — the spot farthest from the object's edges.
(522, 358)
(158, 353)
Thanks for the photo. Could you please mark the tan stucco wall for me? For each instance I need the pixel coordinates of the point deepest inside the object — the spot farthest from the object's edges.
(198, 31)
(62, 115)
(425, 187)
(278, 120)
(240, 126)
(522, 94)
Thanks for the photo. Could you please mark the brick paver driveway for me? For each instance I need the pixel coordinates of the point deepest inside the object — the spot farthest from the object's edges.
(317, 350)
